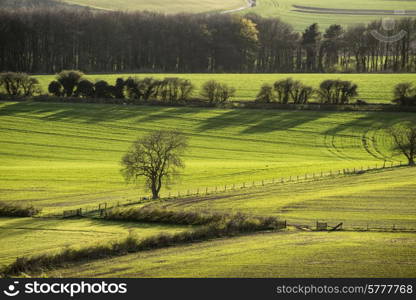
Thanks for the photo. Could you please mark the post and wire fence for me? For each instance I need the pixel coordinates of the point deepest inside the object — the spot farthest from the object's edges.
(205, 191)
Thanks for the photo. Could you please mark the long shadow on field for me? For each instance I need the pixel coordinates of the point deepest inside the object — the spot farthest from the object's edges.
(93, 113)
(260, 121)
(370, 120)
(78, 113)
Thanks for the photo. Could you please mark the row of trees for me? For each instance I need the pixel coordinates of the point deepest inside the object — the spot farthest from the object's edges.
(73, 83)
(294, 91)
(50, 40)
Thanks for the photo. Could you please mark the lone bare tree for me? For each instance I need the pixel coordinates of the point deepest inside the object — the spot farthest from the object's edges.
(157, 157)
(404, 141)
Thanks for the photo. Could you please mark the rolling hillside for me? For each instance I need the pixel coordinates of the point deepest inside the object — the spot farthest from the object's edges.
(59, 156)
(299, 13)
(374, 199)
(27, 236)
(288, 254)
(179, 6)
(302, 13)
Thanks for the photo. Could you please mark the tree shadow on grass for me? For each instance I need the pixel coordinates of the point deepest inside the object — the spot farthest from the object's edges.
(93, 113)
(255, 121)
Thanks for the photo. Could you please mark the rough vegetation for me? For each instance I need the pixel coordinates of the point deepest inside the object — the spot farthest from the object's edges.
(17, 210)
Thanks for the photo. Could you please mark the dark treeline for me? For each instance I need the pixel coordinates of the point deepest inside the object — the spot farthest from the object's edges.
(50, 40)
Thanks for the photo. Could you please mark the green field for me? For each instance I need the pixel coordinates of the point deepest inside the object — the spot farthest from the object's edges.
(376, 199)
(373, 88)
(61, 156)
(191, 6)
(284, 9)
(288, 254)
(27, 236)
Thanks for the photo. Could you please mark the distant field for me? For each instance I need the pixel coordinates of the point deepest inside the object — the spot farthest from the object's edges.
(27, 236)
(376, 199)
(299, 13)
(289, 254)
(190, 6)
(61, 156)
(374, 88)
(300, 18)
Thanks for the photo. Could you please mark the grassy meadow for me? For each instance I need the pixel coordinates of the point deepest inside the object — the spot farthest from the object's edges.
(284, 254)
(32, 236)
(373, 88)
(263, 163)
(60, 156)
(300, 19)
(283, 9)
(180, 6)
(378, 199)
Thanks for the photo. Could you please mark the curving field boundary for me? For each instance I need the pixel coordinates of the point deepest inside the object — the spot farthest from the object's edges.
(250, 3)
(364, 12)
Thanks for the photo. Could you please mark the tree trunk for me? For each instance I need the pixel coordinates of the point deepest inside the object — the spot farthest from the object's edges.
(155, 192)
(412, 162)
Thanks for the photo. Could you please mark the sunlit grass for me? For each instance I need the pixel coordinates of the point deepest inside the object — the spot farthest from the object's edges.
(59, 156)
(28, 237)
(290, 254)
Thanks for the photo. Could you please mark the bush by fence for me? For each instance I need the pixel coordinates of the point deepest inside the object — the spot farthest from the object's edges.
(17, 210)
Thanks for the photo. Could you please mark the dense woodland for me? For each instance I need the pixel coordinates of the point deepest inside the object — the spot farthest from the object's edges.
(50, 40)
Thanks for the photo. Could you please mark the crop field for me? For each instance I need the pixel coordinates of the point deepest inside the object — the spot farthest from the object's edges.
(373, 88)
(287, 254)
(60, 156)
(28, 236)
(376, 199)
(299, 13)
(190, 6)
